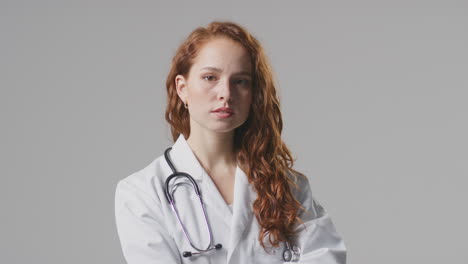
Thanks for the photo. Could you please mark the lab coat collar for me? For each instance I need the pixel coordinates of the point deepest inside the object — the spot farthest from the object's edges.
(184, 159)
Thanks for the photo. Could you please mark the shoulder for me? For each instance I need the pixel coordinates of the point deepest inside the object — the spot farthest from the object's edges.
(304, 194)
(301, 185)
(143, 185)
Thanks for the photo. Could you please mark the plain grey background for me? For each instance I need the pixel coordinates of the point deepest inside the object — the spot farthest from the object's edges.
(374, 101)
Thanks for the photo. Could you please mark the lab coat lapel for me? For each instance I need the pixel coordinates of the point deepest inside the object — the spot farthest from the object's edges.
(185, 161)
(214, 201)
(244, 196)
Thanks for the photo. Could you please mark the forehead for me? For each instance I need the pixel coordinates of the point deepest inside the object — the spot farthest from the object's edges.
(223, 53)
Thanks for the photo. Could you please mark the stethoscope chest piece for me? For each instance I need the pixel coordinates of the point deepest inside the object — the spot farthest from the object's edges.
(291, 254)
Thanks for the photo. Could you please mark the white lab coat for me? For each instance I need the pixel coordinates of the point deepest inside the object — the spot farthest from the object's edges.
(149, 232)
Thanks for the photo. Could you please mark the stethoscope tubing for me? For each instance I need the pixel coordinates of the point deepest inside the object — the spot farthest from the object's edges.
(170, 199)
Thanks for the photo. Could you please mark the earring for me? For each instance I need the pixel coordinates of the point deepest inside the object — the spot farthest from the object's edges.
(186, 106)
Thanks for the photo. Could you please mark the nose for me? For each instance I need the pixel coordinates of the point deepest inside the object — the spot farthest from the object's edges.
(225, 92)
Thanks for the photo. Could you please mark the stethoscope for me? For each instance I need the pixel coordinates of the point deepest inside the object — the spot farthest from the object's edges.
(170, 198)
(290, 254)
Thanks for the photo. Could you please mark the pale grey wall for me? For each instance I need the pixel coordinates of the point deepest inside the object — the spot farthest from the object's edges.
(373, 95)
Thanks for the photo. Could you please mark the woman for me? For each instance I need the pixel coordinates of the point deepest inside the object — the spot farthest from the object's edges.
(226, 123)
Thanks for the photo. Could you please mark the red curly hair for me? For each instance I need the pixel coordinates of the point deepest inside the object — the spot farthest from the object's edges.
(260, 151)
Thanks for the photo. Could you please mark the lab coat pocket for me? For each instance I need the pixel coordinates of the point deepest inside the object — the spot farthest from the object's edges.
(271, 255)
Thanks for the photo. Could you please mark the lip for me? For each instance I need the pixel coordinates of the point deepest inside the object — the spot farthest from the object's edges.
(222, 115)
(224, 109)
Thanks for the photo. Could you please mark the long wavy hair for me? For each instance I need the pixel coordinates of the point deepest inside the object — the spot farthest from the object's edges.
(259, 149)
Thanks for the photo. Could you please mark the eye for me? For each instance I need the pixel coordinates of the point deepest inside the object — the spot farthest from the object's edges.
(243, 81)
(210, 77)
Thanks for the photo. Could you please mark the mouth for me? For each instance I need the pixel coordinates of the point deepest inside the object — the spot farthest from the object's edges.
(223, 114)
(224, 110)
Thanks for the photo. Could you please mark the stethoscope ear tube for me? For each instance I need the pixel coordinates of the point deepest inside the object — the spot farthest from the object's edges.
(168, 194)
(175, 174)
(166, 155)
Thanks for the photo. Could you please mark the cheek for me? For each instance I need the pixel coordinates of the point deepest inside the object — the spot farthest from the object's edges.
(248, 98)
(247, 104)
(199, 93)
(201, 100)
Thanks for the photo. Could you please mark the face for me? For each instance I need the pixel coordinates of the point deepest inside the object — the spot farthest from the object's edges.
(221, 76)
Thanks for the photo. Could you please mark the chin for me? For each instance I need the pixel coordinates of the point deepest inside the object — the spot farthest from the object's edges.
(223, 130)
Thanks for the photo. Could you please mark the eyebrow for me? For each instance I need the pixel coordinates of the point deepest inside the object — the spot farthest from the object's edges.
(219, 70)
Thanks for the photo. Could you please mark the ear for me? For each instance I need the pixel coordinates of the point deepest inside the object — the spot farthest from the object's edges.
(181, 87)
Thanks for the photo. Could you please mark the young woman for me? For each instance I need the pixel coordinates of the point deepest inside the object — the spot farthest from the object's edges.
(225, 192)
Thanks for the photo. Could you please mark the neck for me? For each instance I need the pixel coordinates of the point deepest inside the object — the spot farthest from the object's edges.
(214, 150)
